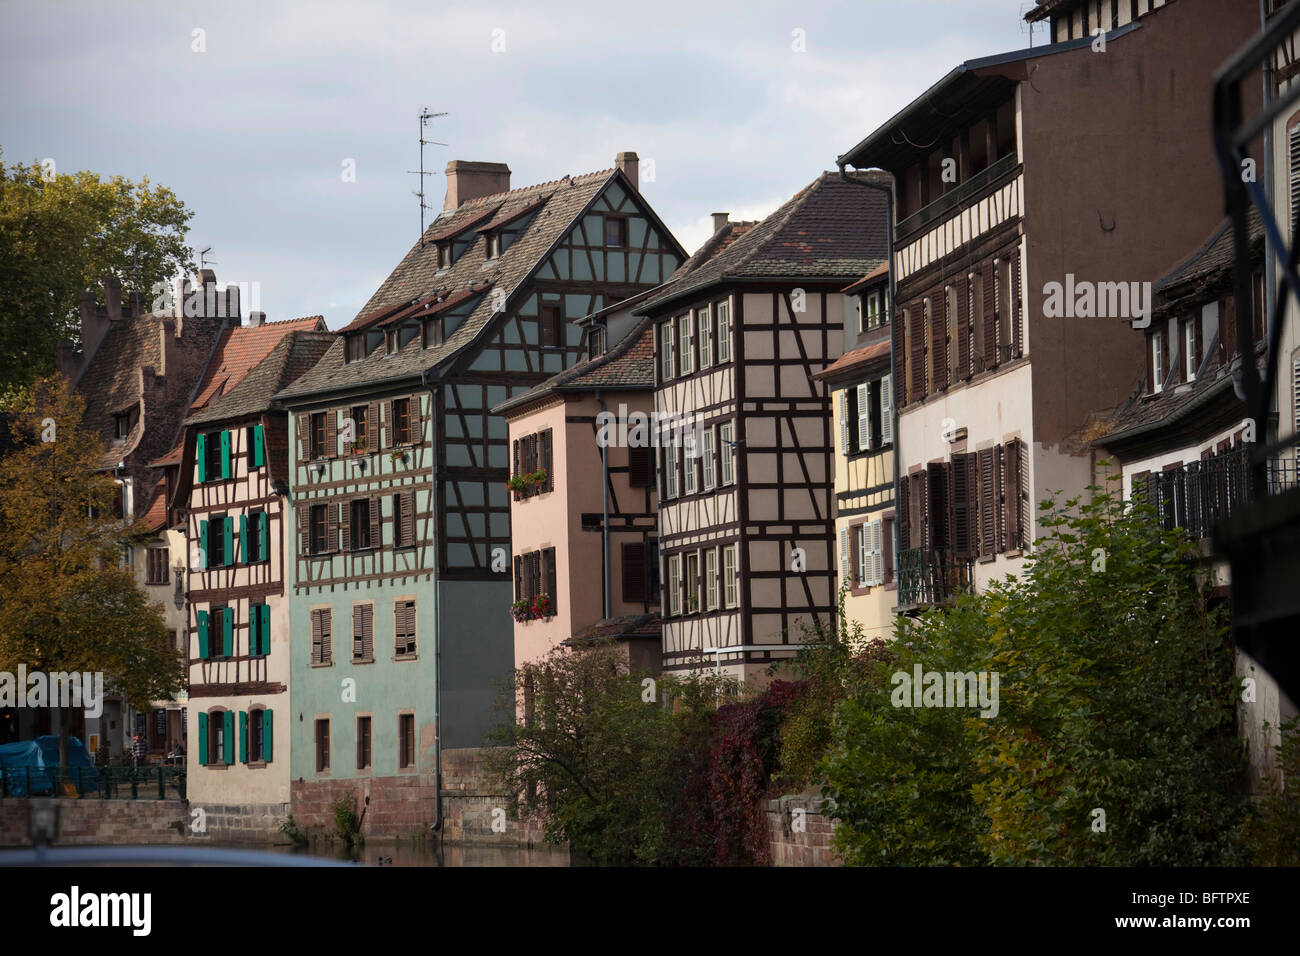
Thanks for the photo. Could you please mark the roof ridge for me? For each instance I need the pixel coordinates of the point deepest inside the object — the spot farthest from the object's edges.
(581, 177)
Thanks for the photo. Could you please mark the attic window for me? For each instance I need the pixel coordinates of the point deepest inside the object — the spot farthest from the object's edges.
(493, 244)
(552, 327)
(615, 232)
(595, 341)
(444, 255)
(408, 331)
(432, 333)
(374, 339)
(356, 347)
(123, 423)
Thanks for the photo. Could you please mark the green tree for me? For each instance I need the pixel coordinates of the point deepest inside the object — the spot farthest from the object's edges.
(63, 233)
(1116, 697)
(66, 602)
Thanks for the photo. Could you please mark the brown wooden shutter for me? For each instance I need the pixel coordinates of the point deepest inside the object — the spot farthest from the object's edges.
(1017, 318)
(986, 502)
(939, 339)
(904, 531)
(900, 361)
(959, 507)
(638, 466)
(376, 525)
(548, 578)
(358, 629)
(1013, 494)
(1000, 501)
(519, 578)
(1195, 319)
(390, 432)
(633, 570)
(332, 526)
(304, 435)
(972, 504)
(916, 360)
(372, 427)
(937, 505)
(368, 632)
(1228, 328)
(417, 419)
(304, 528)
(316, 637)
(514, 470)
(923, 497)
(345, 526)
(990, 316)
(408, 517)
(545, 460)
(331, 433)
(963, 328)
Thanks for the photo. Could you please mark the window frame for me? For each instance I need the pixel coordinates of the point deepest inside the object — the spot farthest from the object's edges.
(722, 309)
(731, 576)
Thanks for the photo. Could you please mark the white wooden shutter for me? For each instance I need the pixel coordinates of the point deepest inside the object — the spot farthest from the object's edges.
(1295, 404)
(887, 410)
(1293, 173)
(864, 417)
(845, 570)
(844, 422)
(864, 556)
(877, 530)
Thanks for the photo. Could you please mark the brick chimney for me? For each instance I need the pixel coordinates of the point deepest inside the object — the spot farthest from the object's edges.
(113, 297)
(630, 164)
(467, 180)
(720, 219)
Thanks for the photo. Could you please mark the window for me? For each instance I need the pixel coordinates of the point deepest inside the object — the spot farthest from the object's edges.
(870, 316)
(730, 597)
(711, 579)
(259, 630)
(950, 310)
(404, 628)
(1191, 346)
(318, 435)
(640, 466)
(551, 334)
(157, 568)
(216, 633)
(686, 344)
(219, 737)
(693, 582)
(406, 741)
(212, 456)
(319, 529)
(666, 350)
(533, 455)
(356, 348)
(535, 575)
(595, 341)
(360, 415)
(404, 519)
(633, 568)
(615, 232)
(674, 585)
(726, 448)
(444, 255)
(706, 337)
(321, 644)
(363, 743)
(670, 470)
(374, 339)
(493, 245)
(253, 537)
(363, 633)
(690, 455)
(322, 745)
(861, 537)
(121, 426)
(359, 526)
(401, 421)
(723, 310)
(706, 457)
(216, 540)
(1157, 360)
(258, 746)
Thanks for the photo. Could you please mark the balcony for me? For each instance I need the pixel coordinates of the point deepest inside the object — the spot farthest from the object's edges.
(931, 577)
(955, 198)
(1201, 494)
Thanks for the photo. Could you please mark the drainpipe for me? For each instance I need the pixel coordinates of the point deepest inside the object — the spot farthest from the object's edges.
(1266, 177)
(893, 318)
(436, 826)
(604, 525)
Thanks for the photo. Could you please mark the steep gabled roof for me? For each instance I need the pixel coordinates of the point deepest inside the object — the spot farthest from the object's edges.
(831, 229)
(240, 349)
(554, 207)
(293, 355)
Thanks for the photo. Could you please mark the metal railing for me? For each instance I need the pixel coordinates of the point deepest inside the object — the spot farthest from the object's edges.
(937, 208)
(931, 576)
(106, 783)
(1201, 494)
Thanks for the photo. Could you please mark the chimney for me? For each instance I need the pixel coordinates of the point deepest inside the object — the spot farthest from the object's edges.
(256, 319)
(187, 290)
(720, 219)
(113, 297)
(629, 163)
(232, 312)
(137, 307)
(467, 180)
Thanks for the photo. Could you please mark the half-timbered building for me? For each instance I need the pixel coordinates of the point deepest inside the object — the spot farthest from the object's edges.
(744, 432)
(861, 393)
(1032, 201)
(399, 482)
(233, 481)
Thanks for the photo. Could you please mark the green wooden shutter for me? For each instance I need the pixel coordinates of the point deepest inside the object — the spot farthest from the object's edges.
(225, 453)
(228, 556)
(243, 736)
(258, 454)
(203, 544)
(266, 735)
(203, 738)
(266, 628)
(228, 632)
(201, 454)
(230, 737)
(243, 539)
(263, 537)
(203, 635)
(254, 630)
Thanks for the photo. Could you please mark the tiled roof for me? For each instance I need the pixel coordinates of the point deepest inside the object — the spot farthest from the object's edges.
(644, 626)
(878, 272)
(240, 349)
(1212, 261)
(293, 355)
(858, 358)
(155, 516)
(830, 229)
(417, 277)
(628, 365)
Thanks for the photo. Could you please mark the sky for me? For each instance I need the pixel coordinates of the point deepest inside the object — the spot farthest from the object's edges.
(290, 128)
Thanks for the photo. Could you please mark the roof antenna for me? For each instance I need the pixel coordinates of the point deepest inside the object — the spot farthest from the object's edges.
(425, 116)
(204, 261)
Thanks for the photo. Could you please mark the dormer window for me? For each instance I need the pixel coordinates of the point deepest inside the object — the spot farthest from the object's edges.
(595, 341)
(444, 255)
(870, 311)
(432, 333)
(356, 348)
(493, 244)
(124, 423)
(390, 341)
(374, 340)
(1157, 360)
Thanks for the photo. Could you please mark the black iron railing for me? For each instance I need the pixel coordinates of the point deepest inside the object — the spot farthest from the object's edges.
(1200, 494)
(105, 783)
(931, 576)
(954, 198)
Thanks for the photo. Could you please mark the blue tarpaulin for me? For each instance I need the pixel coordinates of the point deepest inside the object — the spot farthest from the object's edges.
(78, 756)
(22, 763)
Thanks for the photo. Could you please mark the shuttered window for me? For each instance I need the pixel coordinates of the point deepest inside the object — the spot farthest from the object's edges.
(403, 519)
(723, 310)
(706, 457)
(670, 471)
(692, 582)
(706, 338)
(986, 502)
(548, 579)
(864, 416)
(674, 585)
(633, 568)
(404, 628)
(844, 422)
(157, 566)
(727, 452)
(666, 350)
(363, 743)
(640, 466)
(711, 579)
(964, 505)
(887, 410)
(731, 591)
(686, 344)
(322, 745)
(846, 568)
(363, 632)
(321, 639)
(405, 741)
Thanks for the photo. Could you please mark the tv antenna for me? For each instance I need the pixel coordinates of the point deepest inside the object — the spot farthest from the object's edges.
(204, 261)
(425, 116)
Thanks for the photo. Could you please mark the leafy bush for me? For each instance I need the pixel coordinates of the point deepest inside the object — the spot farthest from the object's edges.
(1273, 831)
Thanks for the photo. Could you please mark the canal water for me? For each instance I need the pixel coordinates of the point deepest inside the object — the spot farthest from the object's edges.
(431, 853)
